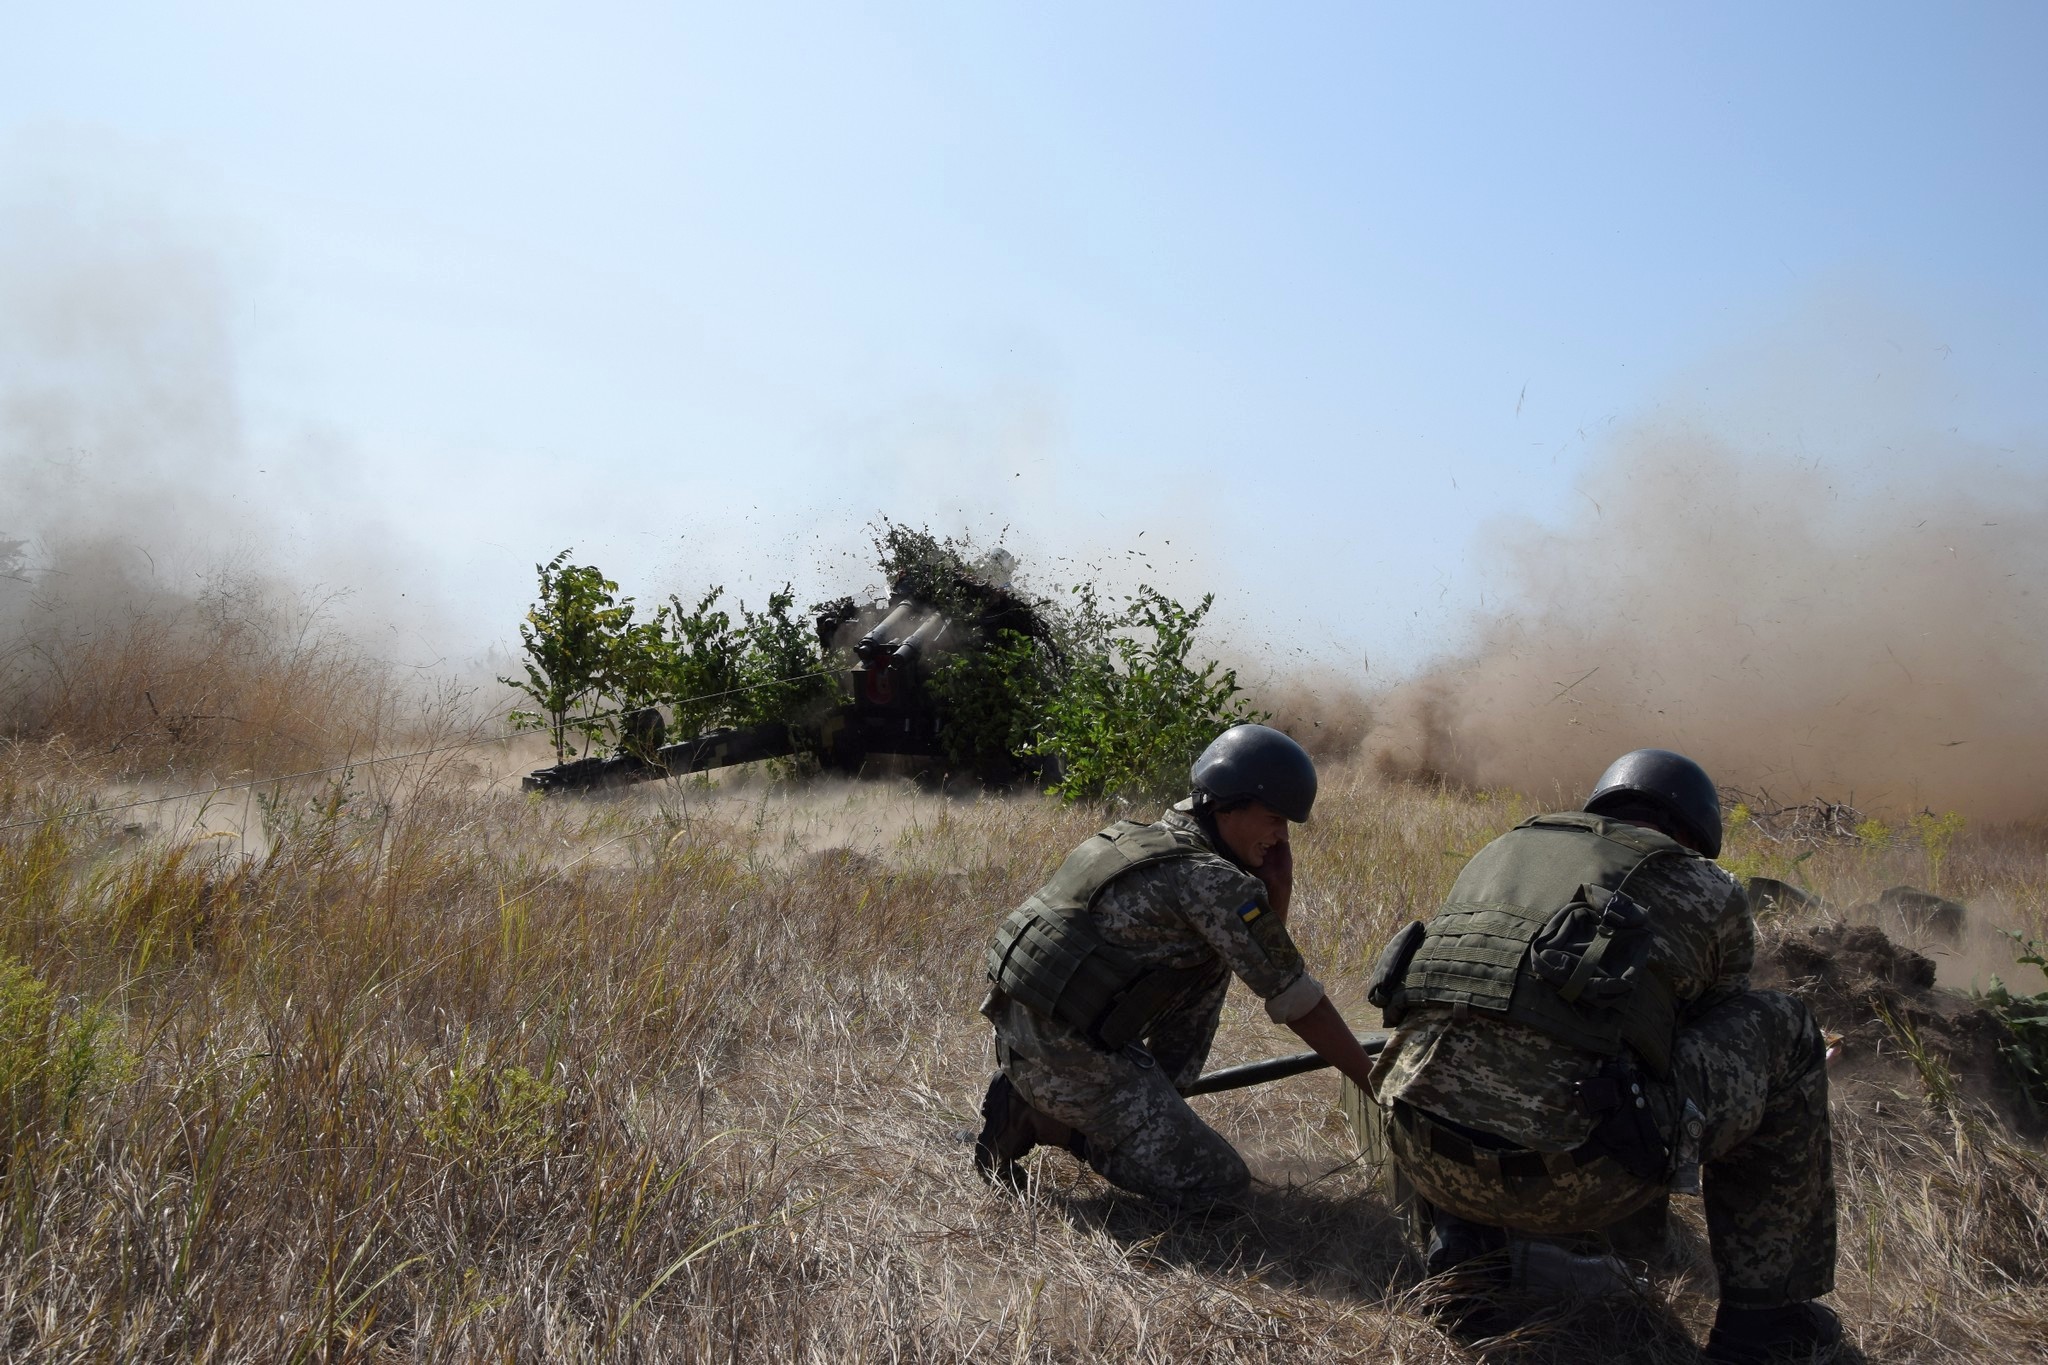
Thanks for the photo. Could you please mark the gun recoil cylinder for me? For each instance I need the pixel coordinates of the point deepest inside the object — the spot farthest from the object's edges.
(926, 634)
(883, 637)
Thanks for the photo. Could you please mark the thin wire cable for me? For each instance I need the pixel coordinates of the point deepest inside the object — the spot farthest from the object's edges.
(84, 811)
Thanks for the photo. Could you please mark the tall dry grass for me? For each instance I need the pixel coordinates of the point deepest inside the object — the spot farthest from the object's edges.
(434, 1070)
(235, 675)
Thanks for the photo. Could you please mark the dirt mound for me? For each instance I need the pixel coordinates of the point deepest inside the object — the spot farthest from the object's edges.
(1879, 997)
(1849, 962)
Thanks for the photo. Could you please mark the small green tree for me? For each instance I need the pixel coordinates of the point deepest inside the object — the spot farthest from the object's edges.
(703, 663)
(782, 666)
(582, 654)
(1131, 712)
(769, 666)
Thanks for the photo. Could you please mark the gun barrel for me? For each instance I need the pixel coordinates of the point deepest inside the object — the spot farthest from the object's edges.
(720, 748)
(1278, 1068)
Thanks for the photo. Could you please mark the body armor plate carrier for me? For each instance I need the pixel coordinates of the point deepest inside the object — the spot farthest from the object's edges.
(1539, 930)
(1050, 955)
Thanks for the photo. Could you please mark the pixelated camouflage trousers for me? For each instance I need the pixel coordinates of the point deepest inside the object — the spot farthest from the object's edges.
(1141, 1135)
(1756, 1066)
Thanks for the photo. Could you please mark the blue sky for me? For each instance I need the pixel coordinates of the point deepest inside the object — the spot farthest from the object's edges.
(1318, 294)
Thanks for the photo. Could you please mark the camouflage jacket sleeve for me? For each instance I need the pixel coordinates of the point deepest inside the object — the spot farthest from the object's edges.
(1706, 937)
(1735, 941)
(1180, 912)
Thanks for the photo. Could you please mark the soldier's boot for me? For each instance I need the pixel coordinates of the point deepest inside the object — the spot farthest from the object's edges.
(1467, 1266)
(1454, 1241)
(1646, 1235)
(1009, 1129)
(1806, 1331)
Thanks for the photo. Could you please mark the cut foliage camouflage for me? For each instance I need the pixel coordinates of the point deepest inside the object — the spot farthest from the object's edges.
(958, 672)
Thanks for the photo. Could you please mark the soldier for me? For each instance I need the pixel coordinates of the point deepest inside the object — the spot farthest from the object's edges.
(1576, 1036)
(1107, 984)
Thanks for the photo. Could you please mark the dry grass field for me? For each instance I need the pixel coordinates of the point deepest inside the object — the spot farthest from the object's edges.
(407, 1065)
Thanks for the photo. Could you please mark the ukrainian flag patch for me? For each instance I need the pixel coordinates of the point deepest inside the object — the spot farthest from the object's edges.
(1250, 911)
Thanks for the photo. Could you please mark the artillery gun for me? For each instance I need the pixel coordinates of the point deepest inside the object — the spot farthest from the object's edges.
(883, 655)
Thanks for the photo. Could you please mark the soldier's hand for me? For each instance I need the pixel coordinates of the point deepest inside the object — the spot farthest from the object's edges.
(1277, 872)
(1323, 1029)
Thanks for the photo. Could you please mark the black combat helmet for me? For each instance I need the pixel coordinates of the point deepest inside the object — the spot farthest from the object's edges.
(1673, 785)
(1257, 763)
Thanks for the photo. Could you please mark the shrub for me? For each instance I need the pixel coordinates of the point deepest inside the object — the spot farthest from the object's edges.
(582, 653)
(232, 673)
(701, 663)
(1131, 712)
(487, 1117)
(51, 1058)
(993, 700)
(2026, 1021)
(781, 667)
(1106, 697)
(589, 663)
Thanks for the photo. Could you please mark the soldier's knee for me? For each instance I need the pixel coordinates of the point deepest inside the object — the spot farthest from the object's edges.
(1807, 1048)
(1214, 1171)
(1179, 1185)
(1785, 1028)
(1227, 1183)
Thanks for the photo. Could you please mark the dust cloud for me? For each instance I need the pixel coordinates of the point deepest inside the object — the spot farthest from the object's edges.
(155, 594)
(1798, 627)
(1328, 712)
(118, 428)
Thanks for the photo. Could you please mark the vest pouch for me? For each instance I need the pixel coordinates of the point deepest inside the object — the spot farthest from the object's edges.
(1626, 1121)
(1531, 932)
(1391, 970)
(1593, 952)
(1060, 966)
(1132, 1014)
(1049, 955)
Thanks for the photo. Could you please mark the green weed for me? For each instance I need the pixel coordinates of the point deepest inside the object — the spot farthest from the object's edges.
(2026, 1020)
(53, 1058)
(1936, 834)
(491, 1115)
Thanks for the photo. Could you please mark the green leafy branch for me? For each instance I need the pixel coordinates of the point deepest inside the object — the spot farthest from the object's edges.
(1132, 711)
(2026, 1021)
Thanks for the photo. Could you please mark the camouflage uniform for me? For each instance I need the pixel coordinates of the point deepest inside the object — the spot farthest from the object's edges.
(1752, 1061)
(1140, 1134)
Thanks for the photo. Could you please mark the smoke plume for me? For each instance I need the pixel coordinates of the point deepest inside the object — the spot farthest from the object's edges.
(143, 611)
(1888, 646)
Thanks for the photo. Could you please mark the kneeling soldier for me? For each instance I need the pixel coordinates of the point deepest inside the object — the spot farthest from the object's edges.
(1107, 984)
(1575, 1035)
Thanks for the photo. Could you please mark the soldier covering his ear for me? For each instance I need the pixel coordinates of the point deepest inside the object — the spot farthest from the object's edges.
(1107, 983)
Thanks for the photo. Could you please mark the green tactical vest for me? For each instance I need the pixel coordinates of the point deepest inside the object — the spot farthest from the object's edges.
(1476, 952)
(1049, 955)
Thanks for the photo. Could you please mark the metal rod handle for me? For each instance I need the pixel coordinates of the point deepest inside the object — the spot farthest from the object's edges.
(1277, 1068)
